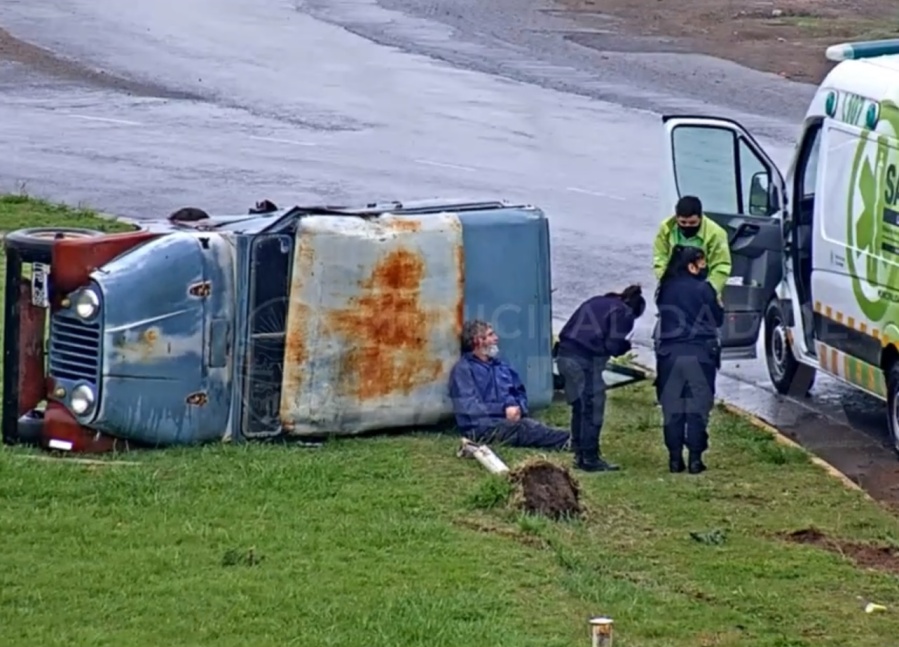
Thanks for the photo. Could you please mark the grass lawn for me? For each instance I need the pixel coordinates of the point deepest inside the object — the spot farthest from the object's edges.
(393, 541)
(20, 211)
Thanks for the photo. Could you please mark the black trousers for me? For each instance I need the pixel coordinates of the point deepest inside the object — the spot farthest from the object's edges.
(526, 432)
(585, 391)
(685, 387)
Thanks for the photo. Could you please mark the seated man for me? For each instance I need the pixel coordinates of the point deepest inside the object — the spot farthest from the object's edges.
(489, 399)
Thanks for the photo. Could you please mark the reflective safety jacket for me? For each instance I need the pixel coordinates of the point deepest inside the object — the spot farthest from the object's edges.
(712, 238)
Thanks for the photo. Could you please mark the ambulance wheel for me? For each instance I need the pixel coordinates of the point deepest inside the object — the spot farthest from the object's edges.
(787, 375)
(893, 404)
(39, 240)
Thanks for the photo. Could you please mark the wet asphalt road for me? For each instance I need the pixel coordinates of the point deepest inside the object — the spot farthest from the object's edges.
(237, 100)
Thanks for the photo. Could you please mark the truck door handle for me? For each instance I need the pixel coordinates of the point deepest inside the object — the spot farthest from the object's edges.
(746, 229)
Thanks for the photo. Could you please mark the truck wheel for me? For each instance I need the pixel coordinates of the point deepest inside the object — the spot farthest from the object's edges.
(787, 375)
(31, 425)
(40, 239)
(893, 404)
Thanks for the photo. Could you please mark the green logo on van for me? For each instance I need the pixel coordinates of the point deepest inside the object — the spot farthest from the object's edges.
(830, 106)
(872, 239)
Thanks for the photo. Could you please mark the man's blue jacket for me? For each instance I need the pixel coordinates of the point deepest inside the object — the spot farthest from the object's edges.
(481, 391)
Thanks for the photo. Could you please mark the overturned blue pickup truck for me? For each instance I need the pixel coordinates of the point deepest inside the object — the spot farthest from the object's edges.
(297, 323)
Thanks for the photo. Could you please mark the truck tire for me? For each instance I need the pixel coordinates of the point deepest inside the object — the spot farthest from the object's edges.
(31, 425)
(892, 375)
(787, 375)
(39, 240)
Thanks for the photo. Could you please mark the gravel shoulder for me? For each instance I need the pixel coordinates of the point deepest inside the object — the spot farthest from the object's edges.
(787, 37)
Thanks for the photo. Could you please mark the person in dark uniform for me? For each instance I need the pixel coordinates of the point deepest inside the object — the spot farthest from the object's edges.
(688, 356)
(598, 330)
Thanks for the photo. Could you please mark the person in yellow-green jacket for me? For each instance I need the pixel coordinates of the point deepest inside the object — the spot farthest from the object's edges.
(688, 227)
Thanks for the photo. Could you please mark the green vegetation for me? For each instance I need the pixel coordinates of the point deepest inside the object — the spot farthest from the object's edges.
(19, 211)
(810, 25)
(395, 541)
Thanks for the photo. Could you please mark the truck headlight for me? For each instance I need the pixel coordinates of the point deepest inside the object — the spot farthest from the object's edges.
(87, 303)
(82, 399)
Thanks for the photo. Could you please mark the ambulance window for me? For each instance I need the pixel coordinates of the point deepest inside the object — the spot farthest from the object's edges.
(704, 166)
(810, 170)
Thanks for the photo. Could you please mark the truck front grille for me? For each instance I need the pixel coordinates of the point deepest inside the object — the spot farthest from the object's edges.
(74, 348)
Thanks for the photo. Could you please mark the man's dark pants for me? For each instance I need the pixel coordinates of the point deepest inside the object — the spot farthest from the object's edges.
(685, 387)
(525, 432)
(585, 391)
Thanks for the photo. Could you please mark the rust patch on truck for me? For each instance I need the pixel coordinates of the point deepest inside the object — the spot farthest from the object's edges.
(140, 348)
(387, 328)
(296, 351)
(404, 225)
(75, 258)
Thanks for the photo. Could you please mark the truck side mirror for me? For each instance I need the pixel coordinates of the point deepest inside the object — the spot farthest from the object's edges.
(762, 198)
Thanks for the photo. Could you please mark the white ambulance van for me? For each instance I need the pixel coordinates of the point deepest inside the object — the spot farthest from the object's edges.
(816, 249)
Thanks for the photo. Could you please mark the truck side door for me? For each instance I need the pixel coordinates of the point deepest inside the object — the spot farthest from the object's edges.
(718, 161)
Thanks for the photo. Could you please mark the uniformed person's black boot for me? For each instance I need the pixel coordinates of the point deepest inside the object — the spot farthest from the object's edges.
(696, 466)
(589, 458)
(676, 463)
(594, 463)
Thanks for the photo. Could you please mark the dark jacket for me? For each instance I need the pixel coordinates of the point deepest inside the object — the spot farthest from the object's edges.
(689, 312)
(598, 328)
(481, 391)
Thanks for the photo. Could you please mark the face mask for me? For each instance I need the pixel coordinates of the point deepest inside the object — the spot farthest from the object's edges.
(703, 273)
(492, 350)
(689, 232)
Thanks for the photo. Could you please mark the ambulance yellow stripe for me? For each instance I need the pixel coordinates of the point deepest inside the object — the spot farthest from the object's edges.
(864, 375)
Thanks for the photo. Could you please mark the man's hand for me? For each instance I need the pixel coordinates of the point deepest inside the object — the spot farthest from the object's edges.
(513, 413)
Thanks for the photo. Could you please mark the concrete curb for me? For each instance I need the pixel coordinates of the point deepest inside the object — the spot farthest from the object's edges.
(781, 439)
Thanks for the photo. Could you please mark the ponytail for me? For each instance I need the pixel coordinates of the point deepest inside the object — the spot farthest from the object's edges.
(632, 296)
(681, 257)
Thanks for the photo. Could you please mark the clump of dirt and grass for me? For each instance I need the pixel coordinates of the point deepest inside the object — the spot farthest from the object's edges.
(395, 541)
(535, 486)
(786, 37)
(880, 556)
(546, 489)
